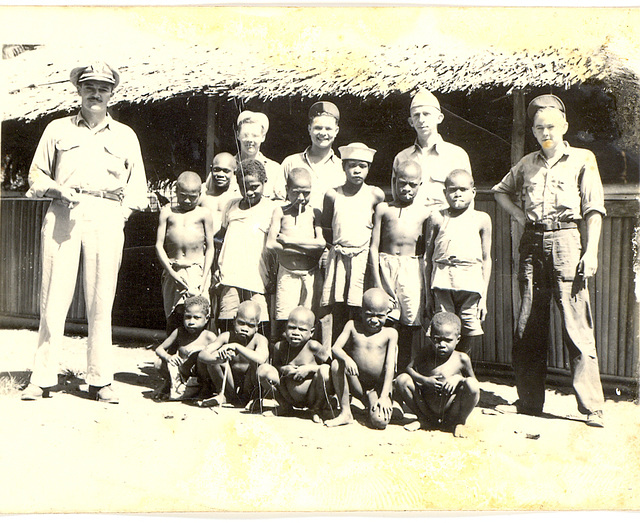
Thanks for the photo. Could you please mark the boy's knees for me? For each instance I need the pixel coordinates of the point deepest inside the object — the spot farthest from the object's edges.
(403, 382)
(268, 374)
(470, 386)
(325, 372)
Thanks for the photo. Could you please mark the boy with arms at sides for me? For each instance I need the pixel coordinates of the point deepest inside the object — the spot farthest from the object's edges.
(347, 222)
(459, 258)
(296, 238)
(396, 256)
(439, 385)
(231, 362)
(364, 360)
(300, 375)
(241, 261)
(178, 354)
(550, 192)
(184, 245)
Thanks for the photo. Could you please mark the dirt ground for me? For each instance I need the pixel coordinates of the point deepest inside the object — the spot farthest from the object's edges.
(69, 454)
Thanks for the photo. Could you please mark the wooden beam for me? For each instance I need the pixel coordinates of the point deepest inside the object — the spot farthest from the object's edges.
(212, 106)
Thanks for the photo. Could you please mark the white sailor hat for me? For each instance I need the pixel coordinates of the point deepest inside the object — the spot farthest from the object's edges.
(424, 97)
(544, 101)
(357, 151)
(251, 117)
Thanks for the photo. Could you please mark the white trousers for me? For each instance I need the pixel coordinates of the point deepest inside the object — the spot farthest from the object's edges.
(95, 228)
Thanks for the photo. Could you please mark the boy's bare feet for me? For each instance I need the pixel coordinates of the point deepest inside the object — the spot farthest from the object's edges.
(413, 426)
(460, 431)
(344, 418)
(316, 418)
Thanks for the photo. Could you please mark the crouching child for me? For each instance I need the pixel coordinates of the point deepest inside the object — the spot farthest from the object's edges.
(439, 385)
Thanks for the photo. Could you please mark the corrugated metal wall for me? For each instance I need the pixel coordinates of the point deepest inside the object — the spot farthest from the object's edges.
(139, 300)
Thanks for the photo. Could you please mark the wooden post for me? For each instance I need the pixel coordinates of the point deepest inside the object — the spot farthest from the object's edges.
(518, 131)
(212, 107)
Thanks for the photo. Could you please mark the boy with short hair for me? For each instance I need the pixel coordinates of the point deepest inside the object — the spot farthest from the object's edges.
(459, 258)
(364, 360)
(347, 221)
(439, 385)
(296, 238)
(231, 362)
(300, 375)
(178, 354)
(219, 189)
(242, 264)
(184, 244)
(396, 256)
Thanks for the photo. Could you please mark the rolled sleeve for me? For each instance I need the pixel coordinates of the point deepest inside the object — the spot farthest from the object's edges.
(135, 195)
(41, 172)
(508, 185)
(591, 190)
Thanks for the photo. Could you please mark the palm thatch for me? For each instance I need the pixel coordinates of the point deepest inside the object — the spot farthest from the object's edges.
(38, 80)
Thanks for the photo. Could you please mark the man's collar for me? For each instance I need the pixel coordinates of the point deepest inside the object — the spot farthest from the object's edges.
(435, 140)
(566, 150)
(79, 119)
(329, 158)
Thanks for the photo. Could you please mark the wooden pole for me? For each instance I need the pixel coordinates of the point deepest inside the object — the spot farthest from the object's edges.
(212, 107)
(518, 131)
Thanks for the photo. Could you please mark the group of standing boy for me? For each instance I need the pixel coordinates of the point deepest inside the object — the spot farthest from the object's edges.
(269, 251)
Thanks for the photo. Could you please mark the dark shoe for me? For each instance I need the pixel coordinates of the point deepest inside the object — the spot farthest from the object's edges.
(595, 419)
(33, 392)
(518, 408)
(103, 394)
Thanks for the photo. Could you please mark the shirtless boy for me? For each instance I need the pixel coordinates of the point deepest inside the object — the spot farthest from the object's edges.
(178, 354)
(296, 238)
(184, 245)
(219, 189)
(231, 362)
(396, 256)
(439, 385)
(364, 359)
(300, 371)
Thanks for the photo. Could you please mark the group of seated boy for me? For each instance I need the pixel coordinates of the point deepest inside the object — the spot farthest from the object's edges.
(271, 298)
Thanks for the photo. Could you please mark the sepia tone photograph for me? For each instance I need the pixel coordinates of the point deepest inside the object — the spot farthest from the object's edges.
(302, 260)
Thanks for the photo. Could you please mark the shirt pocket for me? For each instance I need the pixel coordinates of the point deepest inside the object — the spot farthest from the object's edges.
(116, 162)
(567, 196)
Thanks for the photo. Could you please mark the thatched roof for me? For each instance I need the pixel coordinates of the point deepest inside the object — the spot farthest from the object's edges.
(38, 84)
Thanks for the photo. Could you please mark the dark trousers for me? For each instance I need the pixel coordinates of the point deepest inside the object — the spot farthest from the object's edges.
(548, 264)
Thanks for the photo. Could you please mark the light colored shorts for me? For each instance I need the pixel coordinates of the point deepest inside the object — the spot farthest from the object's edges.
(403, 280)
(232, 297)
(294, 288)
(344, 276)
(465, 305)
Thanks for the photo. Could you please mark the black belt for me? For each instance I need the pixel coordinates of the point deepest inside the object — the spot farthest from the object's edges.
(547, 225)
(109, 195)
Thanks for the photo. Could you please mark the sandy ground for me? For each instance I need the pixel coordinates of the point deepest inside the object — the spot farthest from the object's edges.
(69, 454)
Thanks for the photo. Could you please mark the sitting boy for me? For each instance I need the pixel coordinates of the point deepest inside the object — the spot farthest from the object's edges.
(364, 361)
(296, 238)
(396, 256)
(300, 371)
(179, 352)
(184, 244)
(439, 386)
(231, 362)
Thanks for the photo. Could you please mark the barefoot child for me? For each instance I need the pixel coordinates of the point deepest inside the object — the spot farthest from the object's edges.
(296, 238)
(439, 385)
(364, 359)
(178, 354)
(184, 245)
(300, 371)
(231, 361)
(242, 264)
(459, 258)
(347, 223)
(397, 256)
